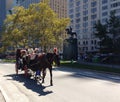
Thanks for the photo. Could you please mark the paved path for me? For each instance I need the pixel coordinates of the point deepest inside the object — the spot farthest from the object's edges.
(70, 85)
(1, 97)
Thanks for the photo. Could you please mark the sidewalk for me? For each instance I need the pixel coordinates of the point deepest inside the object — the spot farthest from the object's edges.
(100, 64)
(2, 97)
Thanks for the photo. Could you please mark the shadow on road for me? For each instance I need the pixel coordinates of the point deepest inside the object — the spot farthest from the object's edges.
(30, 84)
(90, 74)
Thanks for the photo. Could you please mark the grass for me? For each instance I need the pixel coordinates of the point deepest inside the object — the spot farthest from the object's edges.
(91, 67)
(9, 60)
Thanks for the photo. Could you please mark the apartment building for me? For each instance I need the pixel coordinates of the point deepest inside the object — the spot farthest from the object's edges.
(5, 6)
(26, 3)
(84, 14)
(59, 6)
(2, 12)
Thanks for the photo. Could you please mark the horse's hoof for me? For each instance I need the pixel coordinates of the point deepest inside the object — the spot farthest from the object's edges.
(38, 83)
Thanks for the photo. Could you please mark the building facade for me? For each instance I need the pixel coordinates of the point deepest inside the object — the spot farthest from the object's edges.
(26, 3)
(5, 6)
(84, 14)
(59, 6)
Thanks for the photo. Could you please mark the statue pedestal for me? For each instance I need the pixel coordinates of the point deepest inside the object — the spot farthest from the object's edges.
(70, 49)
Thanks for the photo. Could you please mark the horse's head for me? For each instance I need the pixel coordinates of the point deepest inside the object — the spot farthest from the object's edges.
(53, 57)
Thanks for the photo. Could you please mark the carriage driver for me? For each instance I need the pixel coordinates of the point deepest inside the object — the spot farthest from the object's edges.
(55, 50)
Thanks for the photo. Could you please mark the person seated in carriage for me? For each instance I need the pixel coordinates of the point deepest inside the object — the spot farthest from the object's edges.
(33, 55)
(20, 53)
(18, 58)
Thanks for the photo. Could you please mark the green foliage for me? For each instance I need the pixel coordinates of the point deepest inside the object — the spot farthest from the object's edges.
(37, 23)
(109, 34)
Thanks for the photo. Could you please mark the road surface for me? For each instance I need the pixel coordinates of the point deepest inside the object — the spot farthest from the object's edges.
(70, 85)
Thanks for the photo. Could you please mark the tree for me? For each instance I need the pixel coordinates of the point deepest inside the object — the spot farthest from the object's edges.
(101, 33)
(38, 23)
(108, 34)
(113, 28)
(12, 35)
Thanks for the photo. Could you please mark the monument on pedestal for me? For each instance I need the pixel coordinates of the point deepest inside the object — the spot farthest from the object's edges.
(70, 49)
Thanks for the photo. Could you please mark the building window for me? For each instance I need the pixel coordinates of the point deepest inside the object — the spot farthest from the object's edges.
(85, 18)
(95, 42)
(72, 21)
(71, 0)
(104, 7)
(77, 26)
(117, 10)
(83, 42)
(115, 4)
(71, 16)
(86, 48)
(85, 24)
(104, 20)
(92, 48)
(77, 9)
(93, 4)
(86, 42)
(93, 10)
(77, 14)
(71, 11)
(93, 16)
(78, 20)
(85, 6)
(104, 13)
(85, 12)
(85, 1)
(78, 3)
(78, 32)
(70, 4)
(91, 41)
(104, 1)
(93, 22)
(84, 31)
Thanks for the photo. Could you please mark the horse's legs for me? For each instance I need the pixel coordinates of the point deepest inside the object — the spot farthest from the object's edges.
(16, 69)
(25, 70)
(44, 74)
(51, 81)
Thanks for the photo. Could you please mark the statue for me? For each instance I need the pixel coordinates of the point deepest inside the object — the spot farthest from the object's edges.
(70, 46)
(70, 32)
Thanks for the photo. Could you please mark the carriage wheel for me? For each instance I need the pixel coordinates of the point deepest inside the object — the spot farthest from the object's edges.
(16, 69)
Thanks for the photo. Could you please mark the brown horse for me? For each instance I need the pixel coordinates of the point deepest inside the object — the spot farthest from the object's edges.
(42, 62)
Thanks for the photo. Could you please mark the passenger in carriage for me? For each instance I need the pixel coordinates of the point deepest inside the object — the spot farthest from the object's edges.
(33, 59)
(36, 51)
(23, 56)
(18, 57)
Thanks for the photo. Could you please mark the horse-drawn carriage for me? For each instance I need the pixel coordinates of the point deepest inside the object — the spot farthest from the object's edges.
(36, 63)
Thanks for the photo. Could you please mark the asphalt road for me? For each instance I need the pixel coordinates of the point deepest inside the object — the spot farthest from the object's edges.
(70, 85)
